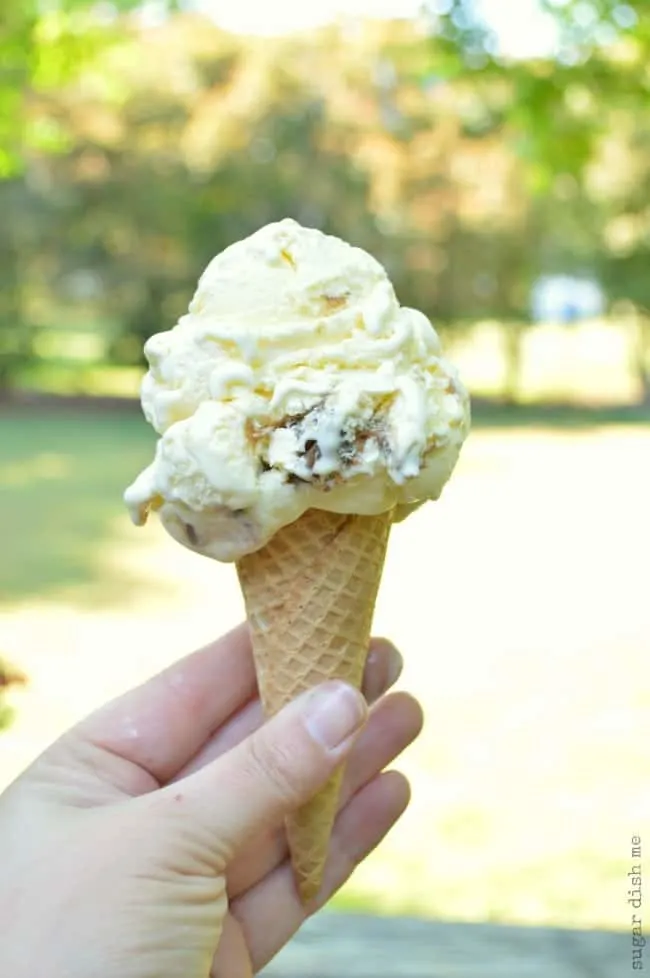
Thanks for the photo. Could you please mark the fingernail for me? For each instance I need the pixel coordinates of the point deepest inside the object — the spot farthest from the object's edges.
(383, 669)
(334, 712)
(394, 666)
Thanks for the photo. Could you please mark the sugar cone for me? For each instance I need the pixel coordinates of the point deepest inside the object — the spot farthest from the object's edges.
(310, 596)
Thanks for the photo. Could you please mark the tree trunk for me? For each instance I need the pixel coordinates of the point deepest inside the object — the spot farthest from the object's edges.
(513, 358)
(641, 353)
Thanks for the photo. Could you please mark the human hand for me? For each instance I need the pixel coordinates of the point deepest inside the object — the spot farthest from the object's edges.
(147, 842)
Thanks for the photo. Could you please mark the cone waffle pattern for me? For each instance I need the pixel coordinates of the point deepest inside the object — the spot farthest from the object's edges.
(310, 596)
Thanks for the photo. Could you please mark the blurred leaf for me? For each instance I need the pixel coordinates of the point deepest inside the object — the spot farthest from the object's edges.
(42, 48)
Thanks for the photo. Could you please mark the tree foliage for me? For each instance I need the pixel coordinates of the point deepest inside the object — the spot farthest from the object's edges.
(131, 156)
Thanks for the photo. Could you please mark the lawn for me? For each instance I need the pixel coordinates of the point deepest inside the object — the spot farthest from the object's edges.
(525, 628)
(61, 480)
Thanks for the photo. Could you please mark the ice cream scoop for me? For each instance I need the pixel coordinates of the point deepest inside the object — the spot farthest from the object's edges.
(301, 411)
(295, 381)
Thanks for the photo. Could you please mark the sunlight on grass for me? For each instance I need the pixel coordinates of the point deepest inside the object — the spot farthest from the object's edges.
(42, 467)
(68, 377)
(588, 363)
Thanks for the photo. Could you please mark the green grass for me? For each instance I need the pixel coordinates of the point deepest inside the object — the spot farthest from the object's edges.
(62, 475)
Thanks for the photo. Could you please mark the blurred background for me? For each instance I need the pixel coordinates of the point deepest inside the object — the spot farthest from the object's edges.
(495, 156)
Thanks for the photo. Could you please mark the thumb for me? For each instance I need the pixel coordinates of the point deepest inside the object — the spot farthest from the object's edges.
(275, 770)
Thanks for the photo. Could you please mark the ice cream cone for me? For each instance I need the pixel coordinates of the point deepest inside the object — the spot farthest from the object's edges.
(310, 595)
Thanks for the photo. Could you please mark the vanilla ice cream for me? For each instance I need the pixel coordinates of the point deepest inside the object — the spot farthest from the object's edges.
(296, 381)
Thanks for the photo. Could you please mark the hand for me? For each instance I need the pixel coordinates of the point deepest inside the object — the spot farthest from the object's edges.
(147, 842)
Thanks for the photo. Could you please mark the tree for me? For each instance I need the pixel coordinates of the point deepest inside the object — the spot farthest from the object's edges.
(562, 114)
(466, 175)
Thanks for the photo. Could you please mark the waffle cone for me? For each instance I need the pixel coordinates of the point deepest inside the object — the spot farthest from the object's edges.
(310, 595)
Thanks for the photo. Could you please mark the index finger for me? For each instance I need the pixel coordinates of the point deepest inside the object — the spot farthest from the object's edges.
(161, 725)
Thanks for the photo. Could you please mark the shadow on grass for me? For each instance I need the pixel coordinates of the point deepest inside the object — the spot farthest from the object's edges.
(355, 944)
(486, 412)
(62, 475)
(497, 414)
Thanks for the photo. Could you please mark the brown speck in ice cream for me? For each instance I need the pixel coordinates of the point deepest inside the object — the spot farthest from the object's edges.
(333, 303)
(149, 507)
(312, 452)
(288, 258)
(190, 533)
(254, 431)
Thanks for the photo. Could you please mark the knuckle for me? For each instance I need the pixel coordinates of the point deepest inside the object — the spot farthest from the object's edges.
(276, 765)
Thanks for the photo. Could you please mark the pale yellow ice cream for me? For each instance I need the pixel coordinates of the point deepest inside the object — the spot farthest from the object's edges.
(296, 381)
